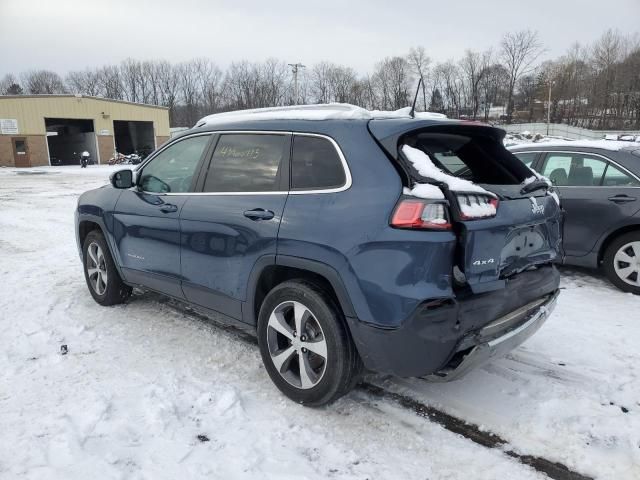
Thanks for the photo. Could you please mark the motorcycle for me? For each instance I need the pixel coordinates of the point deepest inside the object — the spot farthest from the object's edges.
(85, 159)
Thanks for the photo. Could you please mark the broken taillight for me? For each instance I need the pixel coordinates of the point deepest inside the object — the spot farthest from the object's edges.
(475, 206)
(421, 214)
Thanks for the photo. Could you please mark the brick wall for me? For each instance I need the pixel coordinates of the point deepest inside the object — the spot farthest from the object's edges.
(6, 151)
(105, 147)
(160, 140)
(36, 144)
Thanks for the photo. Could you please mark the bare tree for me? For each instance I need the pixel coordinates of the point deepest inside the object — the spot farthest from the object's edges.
(86, 82)
(110, 82)
(474, 67)
(9, 85)
(419, 61)
(519, 50)
(38, 82)
(392, 80)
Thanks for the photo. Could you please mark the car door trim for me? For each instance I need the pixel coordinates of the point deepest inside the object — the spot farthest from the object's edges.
(343, 160)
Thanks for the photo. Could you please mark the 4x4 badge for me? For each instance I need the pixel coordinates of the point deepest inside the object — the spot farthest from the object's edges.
(535, 206)
(484, 262)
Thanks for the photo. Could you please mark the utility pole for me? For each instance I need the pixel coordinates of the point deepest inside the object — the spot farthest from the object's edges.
(549, 107)
(294, 68)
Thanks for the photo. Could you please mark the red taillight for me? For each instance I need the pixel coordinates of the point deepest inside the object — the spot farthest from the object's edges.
(421, 214)
(475, 206)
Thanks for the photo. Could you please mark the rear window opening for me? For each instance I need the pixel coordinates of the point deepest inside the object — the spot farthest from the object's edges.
(478, 157)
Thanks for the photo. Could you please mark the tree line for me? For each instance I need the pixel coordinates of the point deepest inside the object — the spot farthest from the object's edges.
(593, 86)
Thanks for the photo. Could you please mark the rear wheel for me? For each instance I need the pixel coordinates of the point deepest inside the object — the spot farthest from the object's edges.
(305, 345)
(621, 262)
(104, 282)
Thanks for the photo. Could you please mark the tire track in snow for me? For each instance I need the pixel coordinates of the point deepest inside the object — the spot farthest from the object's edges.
(470, 431)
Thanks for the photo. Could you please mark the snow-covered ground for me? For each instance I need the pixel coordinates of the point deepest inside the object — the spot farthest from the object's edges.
(142, 381)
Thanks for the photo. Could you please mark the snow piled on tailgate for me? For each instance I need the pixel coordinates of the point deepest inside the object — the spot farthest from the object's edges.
(425, 167)
(424, 190)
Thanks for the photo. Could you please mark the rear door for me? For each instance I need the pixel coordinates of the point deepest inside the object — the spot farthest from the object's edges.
(234, 218)
(146, 217)
(596, 194)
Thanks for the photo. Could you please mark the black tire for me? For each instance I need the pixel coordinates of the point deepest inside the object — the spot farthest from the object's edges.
(115, 291)
(609, 262)
(342, 365)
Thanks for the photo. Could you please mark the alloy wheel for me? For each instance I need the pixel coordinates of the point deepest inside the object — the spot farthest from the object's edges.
(297, 345)
(626, 263)
(96, 268)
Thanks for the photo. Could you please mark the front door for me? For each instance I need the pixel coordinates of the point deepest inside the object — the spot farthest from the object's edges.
(595, 195)
(146, 217)
(235, 219)
(21, 155)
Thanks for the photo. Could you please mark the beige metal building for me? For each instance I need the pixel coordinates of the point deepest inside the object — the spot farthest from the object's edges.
(40, 130)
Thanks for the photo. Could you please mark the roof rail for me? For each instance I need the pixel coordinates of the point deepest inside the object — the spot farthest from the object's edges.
(327, 111)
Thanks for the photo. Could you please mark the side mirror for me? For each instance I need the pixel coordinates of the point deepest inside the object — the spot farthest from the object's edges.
(122, 179)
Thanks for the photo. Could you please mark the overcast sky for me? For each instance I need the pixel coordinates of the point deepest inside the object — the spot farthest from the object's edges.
(63, 35)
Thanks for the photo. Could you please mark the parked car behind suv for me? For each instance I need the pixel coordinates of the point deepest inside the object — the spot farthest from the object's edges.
(343, 238)
(599, 182)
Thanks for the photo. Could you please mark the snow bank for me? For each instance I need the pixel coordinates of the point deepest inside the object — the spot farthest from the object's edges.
(329, 111)
(425, 167)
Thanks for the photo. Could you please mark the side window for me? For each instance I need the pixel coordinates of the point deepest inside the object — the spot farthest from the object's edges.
(246, 163)
(614, 177)
(557, 168)
(171, 171)
(574, 169)
(590, 169)
(526, 157)
(315, 164)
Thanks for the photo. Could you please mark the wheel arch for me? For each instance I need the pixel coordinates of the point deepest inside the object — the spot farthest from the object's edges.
(86, 226)
(90, 223)
(271, 271)
(612, 236)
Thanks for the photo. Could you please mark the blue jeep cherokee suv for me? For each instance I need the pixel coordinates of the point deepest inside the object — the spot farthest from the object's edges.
(346, 239)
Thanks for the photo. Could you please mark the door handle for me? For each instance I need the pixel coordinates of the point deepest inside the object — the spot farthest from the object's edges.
(169, 208)
(259, 214)
(622, 199)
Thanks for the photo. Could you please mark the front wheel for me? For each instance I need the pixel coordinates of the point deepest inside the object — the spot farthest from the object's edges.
(305, 345)
(104, 282)
(621, 262)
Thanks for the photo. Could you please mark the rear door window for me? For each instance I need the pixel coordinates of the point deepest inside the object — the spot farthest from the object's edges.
(247, 163)
(315, 164)
(574, 169)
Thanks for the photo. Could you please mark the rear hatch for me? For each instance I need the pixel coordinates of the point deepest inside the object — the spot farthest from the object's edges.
(506, 219)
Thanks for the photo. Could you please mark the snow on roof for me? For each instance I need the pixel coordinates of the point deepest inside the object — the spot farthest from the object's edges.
(611, 145)
(329, 111)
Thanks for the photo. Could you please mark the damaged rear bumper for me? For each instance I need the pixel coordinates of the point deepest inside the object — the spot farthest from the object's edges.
(497, 339)
(447, 340)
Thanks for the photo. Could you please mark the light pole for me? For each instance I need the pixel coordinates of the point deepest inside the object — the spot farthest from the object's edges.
(294, 68)
(549, 106)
